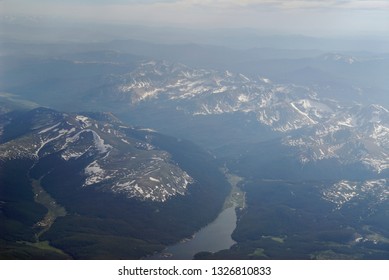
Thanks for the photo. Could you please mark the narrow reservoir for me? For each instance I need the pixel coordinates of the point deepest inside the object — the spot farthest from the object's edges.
(215, 236)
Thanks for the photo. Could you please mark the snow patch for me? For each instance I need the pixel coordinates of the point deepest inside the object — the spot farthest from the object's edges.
(95, 174)
(99, 143)
(154, 180)
(84, 121)
(49, 128)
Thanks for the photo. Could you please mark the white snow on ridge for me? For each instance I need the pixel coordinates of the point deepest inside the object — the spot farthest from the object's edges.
(378, 165)
(347, 122)
(99, 142)
(379, 132)
(49, 128)
(244, 77)
(149, 94)
(220, 90)
(44, 142)
(302, 113)
(154, 180)
(149, 188)
(124, 141)
(67, 155)
(345, 191)
(95, 174)
(243, 98)
(84, 121)
(147, 129)
(265, 80)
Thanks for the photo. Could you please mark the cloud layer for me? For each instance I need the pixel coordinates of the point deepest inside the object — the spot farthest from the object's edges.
(298, 16)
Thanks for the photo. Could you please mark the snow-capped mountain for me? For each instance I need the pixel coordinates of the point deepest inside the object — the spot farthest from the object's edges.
(113, 184)
(118, 158)
(340, 58)
(343, 192)
(210, 92)
(357, 135)
(327, 128)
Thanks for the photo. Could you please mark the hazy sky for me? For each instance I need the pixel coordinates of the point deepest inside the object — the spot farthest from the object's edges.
(309, 17)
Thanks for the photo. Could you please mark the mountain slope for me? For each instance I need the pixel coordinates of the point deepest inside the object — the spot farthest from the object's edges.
(112, 179)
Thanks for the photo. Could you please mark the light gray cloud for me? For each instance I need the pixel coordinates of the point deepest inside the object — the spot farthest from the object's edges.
(291, 4)
(297, 16)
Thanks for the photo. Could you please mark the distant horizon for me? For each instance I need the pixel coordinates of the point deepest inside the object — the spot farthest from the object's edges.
(44, 29)
(333, 18)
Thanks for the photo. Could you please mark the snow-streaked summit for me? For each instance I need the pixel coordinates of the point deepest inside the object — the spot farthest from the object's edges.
(117, 160)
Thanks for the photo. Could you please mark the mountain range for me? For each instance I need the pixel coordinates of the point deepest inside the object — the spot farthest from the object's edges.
(106, 147)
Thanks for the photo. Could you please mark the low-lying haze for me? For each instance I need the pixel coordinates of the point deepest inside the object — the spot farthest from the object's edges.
(306, 17)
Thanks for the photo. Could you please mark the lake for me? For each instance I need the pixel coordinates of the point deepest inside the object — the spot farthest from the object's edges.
(214, 237)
